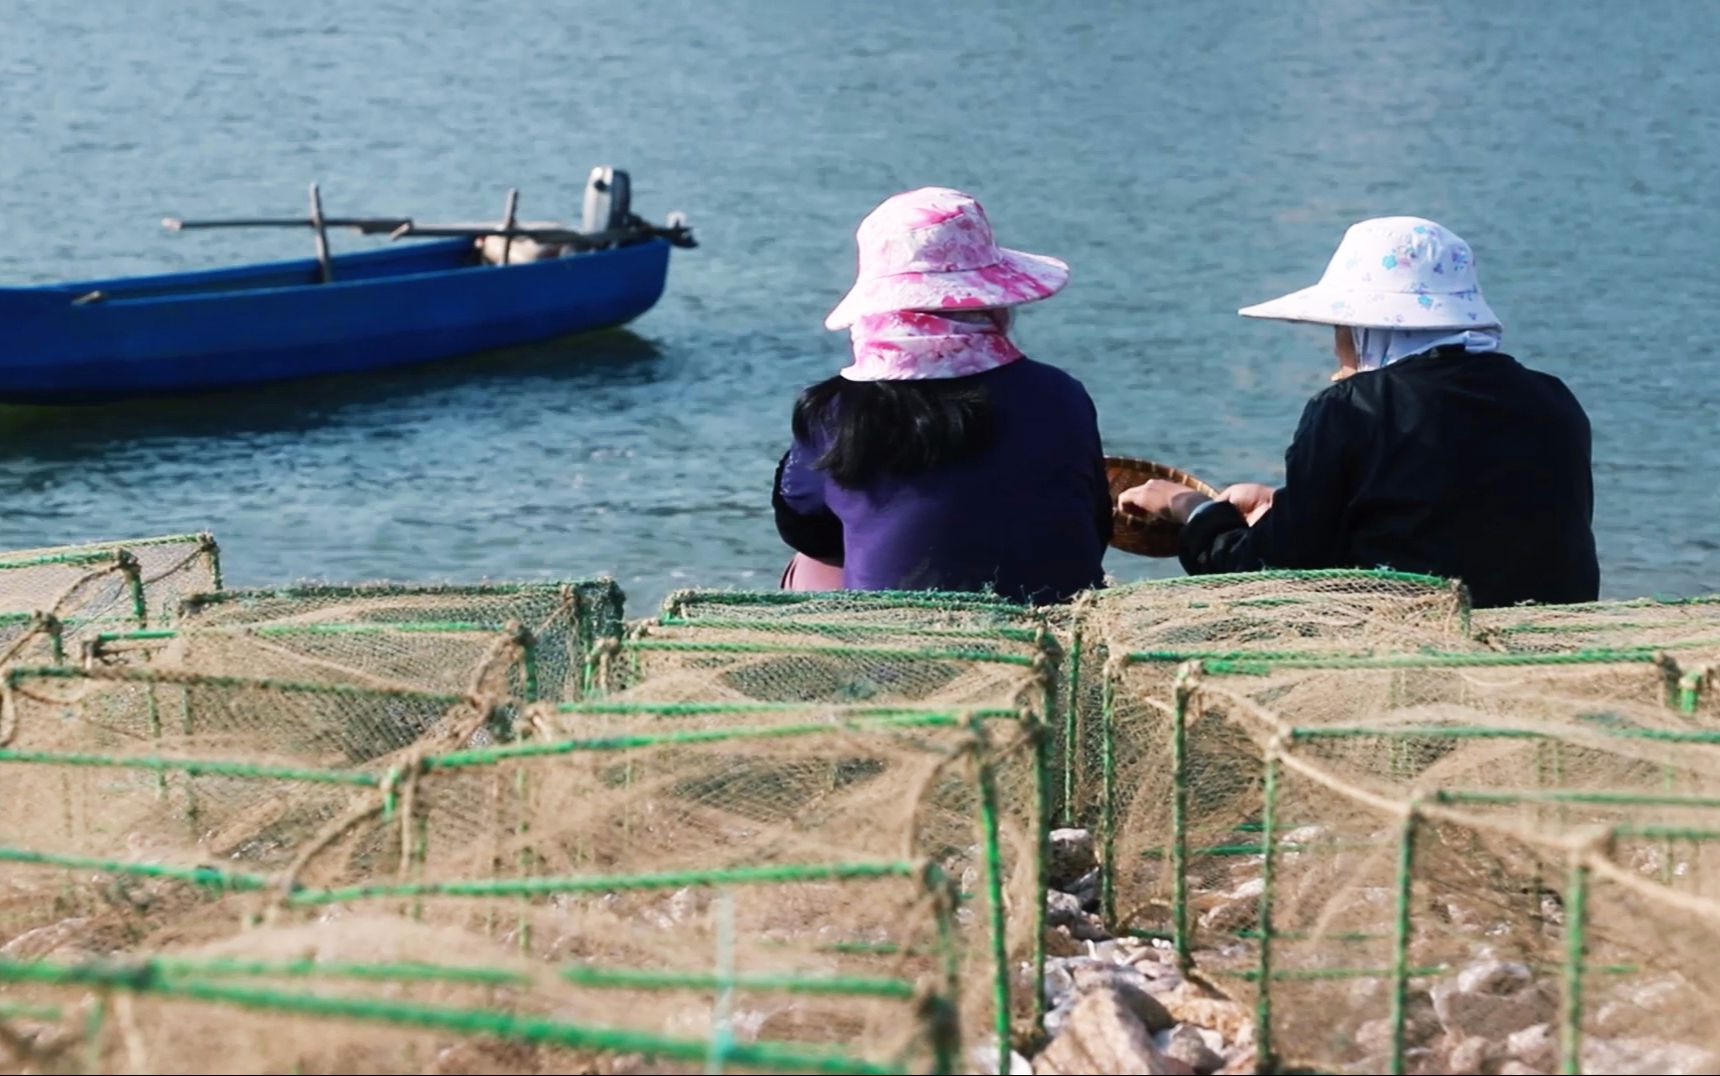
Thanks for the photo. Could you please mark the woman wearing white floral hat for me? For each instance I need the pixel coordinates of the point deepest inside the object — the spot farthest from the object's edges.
(1433, 452)
(942, 457)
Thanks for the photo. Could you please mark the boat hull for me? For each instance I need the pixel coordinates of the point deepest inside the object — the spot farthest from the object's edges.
(252, 325)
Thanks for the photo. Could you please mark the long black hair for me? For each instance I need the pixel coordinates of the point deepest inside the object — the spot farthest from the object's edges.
(876, 428)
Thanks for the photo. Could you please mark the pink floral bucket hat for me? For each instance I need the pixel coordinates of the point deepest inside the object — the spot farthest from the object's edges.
(1391, 273)
(932, 249)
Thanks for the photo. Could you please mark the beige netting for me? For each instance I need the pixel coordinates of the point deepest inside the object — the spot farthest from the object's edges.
(1647, 622)
(52, 598)
(738, 664)
(421, 635)
(443, 657)
(1508, 775)
(786, 832)
(809, 833)
(357, 994)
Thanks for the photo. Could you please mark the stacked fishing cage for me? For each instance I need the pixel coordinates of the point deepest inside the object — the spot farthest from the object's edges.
(497, 828)
(1421, 840)
(376, 828)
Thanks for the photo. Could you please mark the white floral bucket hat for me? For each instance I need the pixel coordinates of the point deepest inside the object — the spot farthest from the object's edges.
(932, 249)
(1391, 273)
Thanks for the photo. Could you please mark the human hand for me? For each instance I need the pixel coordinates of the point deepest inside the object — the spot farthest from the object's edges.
(1251, 498)
(1160, 497)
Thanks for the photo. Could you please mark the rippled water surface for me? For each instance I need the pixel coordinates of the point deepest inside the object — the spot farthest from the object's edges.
(1183, 162)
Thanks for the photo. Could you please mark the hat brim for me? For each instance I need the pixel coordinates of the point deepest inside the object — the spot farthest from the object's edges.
(1015, 278)
(1378, 309)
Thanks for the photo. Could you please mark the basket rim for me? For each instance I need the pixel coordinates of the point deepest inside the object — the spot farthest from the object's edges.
(1154, 469)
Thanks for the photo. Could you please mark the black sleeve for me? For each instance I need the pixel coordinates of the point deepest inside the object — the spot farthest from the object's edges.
(818, 534)
(1304, 526)
(1107, 508)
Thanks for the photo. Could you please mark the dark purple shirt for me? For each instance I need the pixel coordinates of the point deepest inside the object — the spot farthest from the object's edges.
(1028, 517)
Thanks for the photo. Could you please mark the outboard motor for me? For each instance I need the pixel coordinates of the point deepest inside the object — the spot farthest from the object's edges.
(608, 201)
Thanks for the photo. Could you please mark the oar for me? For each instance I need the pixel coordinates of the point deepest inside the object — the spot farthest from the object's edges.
(368, 225)
(678, 234)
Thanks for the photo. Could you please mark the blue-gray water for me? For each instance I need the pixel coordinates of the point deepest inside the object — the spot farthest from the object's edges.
(1185, 158)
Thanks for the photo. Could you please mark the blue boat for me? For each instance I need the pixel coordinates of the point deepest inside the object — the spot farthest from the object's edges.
(97, 340)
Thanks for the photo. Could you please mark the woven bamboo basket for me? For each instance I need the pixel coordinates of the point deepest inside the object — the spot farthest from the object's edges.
(1149, 536)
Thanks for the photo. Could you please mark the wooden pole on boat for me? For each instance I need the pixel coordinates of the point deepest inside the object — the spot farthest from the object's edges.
(508, 222)
(367, 225)
(323, 264)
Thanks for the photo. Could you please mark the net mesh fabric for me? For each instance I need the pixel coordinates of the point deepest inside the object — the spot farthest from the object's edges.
(278, 998)
(808, 829)
(813, 830)
(419, 633)
(447, 656)
(738, 664)
(1643, 623)
(1155, 626)
(1511, 775)
(54, 597)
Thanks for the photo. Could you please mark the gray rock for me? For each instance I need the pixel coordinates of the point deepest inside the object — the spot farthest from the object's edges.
(1471, 1054)
(1494, 977)
(1059, 981)
(1517, 1068)
(1086, 888)
(1492, 999)
(1237, 909)
(1536, 1046)
(1071, 856)
(1103, 1034)
(1058, 1015)
(1420, 1026)
(1187, 1044)
(1127, 982)
(1062, 909)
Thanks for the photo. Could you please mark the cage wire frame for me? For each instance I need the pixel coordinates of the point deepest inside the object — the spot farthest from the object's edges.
(597, 607)
(881, 618)
(108, 648)
(1091, 634)
(388, 784)
(210, 981)
(1586, 856)
(1634, 622)
(947, 624)
(1038, 693)
(26, 615)
(1031, 739)
(872, 619)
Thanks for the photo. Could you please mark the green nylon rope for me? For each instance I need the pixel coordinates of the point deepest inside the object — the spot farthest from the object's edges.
(579, 975)
(224, 879)
(195, 767)
(886, 653)
(153, 676)
(787, 1057)
(486, 755)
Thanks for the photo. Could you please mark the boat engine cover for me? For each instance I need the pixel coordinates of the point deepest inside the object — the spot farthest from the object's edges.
(608, 200)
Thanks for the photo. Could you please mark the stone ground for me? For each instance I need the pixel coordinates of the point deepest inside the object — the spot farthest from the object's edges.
(1120, 1005)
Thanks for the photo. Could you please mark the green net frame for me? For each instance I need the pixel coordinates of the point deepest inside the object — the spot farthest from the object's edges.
(1597, 793)
(405, 786)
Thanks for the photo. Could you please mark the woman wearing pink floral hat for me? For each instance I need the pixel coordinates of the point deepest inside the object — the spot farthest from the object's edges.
(1433, 452)
(942, 457)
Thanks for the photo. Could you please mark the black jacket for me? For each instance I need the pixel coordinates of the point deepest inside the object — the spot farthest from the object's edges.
(1456, 464)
